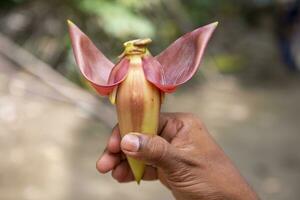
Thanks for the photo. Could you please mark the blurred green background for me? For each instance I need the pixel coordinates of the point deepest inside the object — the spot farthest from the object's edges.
(53, 126)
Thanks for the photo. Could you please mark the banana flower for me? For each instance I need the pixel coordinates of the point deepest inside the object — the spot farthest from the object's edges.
(138, 82)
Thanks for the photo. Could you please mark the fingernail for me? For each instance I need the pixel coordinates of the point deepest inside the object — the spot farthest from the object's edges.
(130, 142)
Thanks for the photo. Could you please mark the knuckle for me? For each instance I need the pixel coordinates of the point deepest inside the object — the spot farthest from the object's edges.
(191, 115)
(179, 124)
(157, 149)
(191, 118)
(195, 120)
(176, 122)
(198, 123)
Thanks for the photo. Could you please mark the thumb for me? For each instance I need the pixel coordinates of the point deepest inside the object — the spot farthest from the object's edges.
(152, 149)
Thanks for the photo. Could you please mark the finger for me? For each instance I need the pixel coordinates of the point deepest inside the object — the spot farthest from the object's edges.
(150, 173)
(169, 126)
(163, 119)
(123, 174)
(154, 150)
(108, 161)
(114, 141)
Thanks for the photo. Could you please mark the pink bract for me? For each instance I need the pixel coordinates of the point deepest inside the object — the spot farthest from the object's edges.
(171, 68)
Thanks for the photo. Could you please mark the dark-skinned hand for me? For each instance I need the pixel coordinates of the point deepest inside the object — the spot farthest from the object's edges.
(183, 156)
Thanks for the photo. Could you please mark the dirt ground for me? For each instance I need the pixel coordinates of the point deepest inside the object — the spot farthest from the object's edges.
(48, 148)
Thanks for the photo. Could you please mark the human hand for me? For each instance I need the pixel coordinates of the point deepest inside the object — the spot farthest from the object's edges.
(183, 156)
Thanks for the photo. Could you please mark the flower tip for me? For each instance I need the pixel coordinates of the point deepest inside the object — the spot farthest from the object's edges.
(70, 22)
(211, 27)
(215, 23)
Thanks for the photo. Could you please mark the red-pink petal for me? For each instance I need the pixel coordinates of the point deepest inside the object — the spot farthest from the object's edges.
(154, 73)
(94, 66)
(117, 75)
(179, 62)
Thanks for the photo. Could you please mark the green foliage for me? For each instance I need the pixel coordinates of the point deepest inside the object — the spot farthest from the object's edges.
(138, 4)
(10, 3)
(228, 63)
(111, 22)
(201, 11)
(117, 19)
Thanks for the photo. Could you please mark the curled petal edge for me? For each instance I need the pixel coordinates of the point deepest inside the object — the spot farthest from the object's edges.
(103, 75)
(180, 61)
(117, 76)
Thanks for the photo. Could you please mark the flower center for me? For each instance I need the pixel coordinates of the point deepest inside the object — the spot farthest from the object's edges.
(136, 47)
